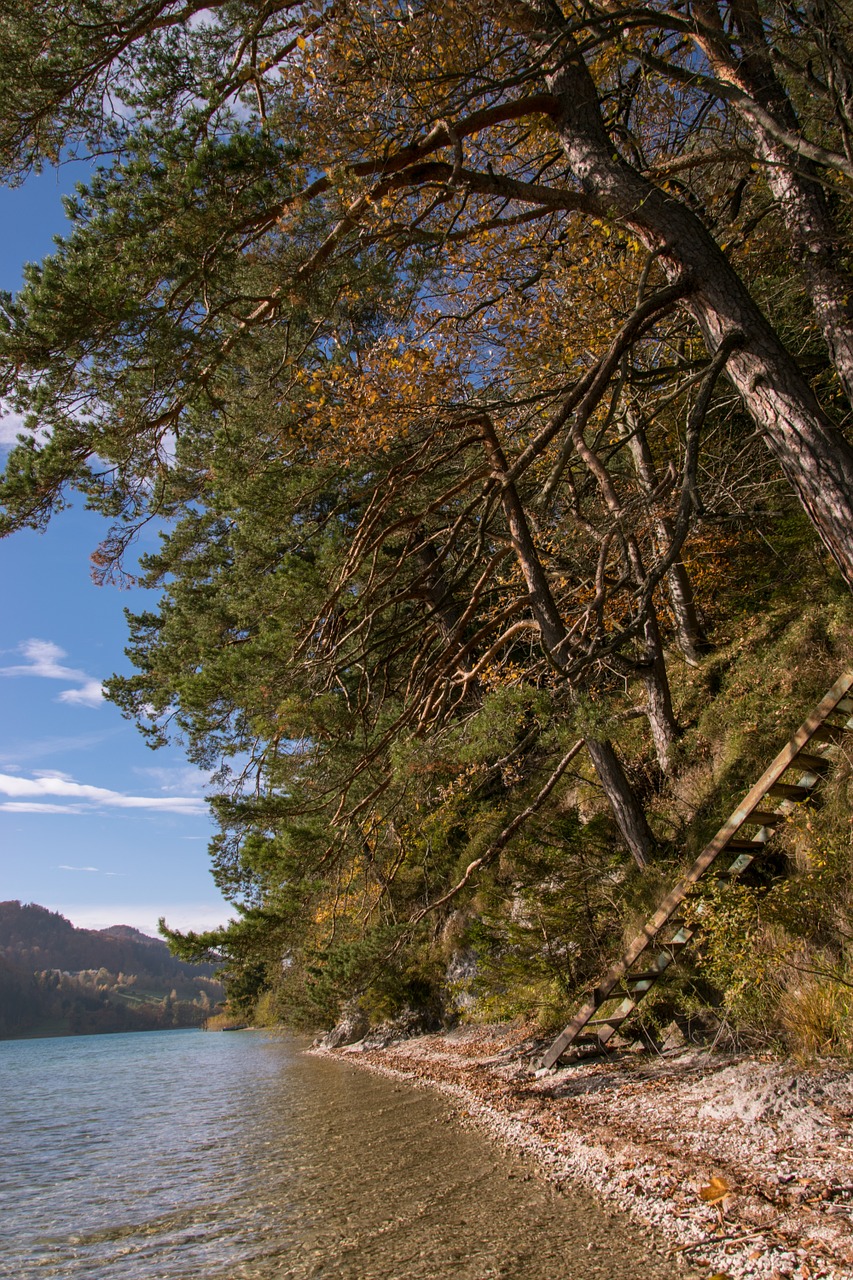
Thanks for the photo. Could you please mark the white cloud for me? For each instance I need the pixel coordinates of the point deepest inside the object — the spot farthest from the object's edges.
(202, 19)
(63, 866)
(90, 797)
(43, 660)
(90, 695)
(26, 806)
(144, 915)
(11, 424)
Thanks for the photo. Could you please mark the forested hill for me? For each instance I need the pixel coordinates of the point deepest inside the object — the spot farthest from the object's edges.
(56, 979)
(32, 937)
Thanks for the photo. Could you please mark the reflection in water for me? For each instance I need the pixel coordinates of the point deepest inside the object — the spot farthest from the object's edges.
(170, 1155)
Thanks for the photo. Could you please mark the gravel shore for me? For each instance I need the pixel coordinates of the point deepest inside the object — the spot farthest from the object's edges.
(743, 1165)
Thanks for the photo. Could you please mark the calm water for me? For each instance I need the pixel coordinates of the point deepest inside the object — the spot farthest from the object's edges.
(181, 1154)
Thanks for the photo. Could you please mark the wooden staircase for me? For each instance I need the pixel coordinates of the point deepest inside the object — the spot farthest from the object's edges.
(790, 779)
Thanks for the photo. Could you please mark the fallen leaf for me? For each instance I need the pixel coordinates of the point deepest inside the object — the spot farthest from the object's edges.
(716, 1190)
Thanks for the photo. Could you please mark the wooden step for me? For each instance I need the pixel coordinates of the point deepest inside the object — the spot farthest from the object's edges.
(789, 791)
(805, 760)
(764, 818)
(650, 974)
(830, 733)
(736, 868)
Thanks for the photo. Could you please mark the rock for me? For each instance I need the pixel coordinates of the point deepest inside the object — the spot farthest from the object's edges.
(672, 1039)
(407, 1024)
(459, 977)
(352, 1026)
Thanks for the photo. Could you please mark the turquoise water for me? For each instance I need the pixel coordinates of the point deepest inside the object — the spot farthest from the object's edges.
(182, 1154)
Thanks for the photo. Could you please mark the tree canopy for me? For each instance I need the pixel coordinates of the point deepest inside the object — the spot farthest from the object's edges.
(456, 346)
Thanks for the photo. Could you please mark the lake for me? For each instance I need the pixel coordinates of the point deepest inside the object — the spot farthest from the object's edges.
(181, 1154)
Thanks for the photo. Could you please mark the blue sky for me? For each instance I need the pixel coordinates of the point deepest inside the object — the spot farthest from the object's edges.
(92, 822)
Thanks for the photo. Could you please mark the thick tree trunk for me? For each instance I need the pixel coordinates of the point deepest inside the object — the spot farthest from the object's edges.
(659, 712)
(816, 248)
(814, 456)
(815, 239)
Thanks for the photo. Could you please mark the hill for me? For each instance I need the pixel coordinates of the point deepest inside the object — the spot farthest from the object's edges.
(56, 979)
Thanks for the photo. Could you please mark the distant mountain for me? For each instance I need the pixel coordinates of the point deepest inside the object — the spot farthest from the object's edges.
(56, 979)
(128, 932)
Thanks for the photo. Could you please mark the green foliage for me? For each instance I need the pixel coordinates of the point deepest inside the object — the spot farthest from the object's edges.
(340, 311)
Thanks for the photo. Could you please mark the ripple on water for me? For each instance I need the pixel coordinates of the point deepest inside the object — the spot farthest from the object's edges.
(178, 1155)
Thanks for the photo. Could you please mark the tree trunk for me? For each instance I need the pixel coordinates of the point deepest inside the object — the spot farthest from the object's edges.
(815, 458)
(688, 629)
(627, 810)
(652, 668)
(629, 815)
(435, 587)
(659, 712)
(815, 239)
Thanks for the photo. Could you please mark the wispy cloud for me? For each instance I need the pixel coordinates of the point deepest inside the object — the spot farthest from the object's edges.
(30, 806)
(43, 659)
(91, 694)
(34, 795)
(64, 866)
(183, 778)
(13, 755)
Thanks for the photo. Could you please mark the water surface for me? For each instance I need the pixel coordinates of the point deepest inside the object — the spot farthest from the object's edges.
(178, 1154)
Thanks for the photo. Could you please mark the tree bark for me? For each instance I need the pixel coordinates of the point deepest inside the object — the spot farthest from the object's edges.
(814, 238)
(814, 456)
(659, 712)
(629, 816)
(688, 629)
(436, 588)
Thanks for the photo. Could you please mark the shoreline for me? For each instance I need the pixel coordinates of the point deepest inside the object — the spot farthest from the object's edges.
(647, 1134)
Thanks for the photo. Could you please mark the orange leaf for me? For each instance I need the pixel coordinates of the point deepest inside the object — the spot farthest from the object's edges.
(716, 1190)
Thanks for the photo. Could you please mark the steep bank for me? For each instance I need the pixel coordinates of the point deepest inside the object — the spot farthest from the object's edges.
(650, 1134)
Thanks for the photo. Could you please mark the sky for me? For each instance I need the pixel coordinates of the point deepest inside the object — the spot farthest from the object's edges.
(92, 822)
